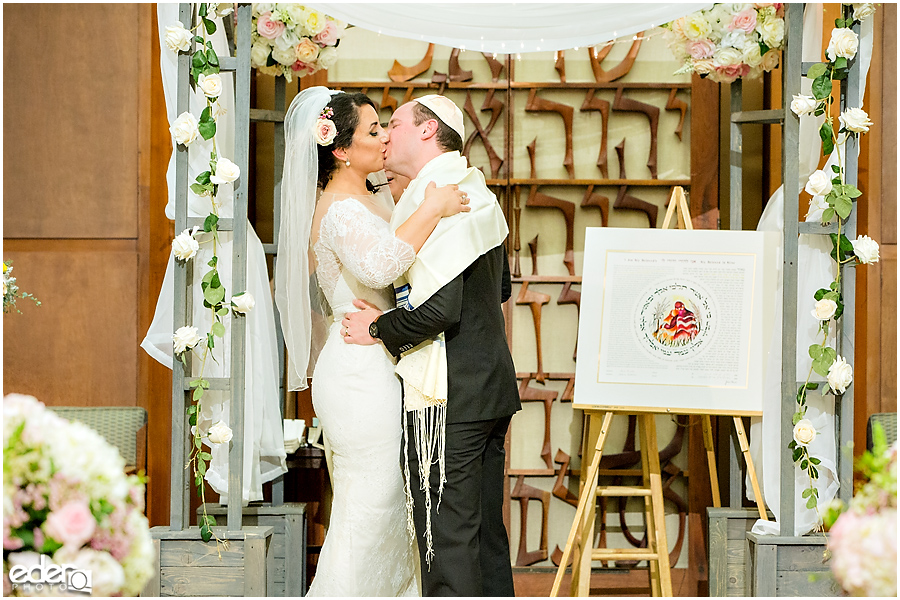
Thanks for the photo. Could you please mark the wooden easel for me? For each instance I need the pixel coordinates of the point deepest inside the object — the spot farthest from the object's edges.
(581, 536)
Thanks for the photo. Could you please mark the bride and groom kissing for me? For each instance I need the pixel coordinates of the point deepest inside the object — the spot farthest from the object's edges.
(418, 466)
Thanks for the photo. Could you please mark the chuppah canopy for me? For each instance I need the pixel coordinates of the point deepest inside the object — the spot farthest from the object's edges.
(509, 28)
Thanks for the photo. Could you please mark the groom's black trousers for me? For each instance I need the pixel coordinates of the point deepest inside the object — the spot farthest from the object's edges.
(470, 541)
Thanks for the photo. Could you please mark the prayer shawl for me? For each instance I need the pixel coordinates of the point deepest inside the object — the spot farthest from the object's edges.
(455, 244)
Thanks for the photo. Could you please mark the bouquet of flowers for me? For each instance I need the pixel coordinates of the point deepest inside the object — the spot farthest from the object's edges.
(291, 39)
(728, 41)
(72, 520)
(863, 539)
(11, 290)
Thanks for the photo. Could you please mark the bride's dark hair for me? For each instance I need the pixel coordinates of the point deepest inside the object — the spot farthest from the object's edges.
(346, 119)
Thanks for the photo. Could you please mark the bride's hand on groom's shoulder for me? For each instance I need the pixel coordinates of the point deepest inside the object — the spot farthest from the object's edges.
(355, 326)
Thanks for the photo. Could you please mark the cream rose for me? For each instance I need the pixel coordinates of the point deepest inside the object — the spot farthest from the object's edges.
(220, 433)
(210, 85)
(840, 375)
(856, 120)
(307, 51)
(771, 31)
(844, 43)
(325, 131)
(259, 53)
(273, 70)
(296, 13)
(863, 11)
(770, 60)
(824, 309)
(817, 208)
(327, 57)
(185, 129)
(184, 338)
(184, 246)
(701, 49)
(819, 184)
(804, 432)
(696, 27)
(803, 105)
(727, 57)
(285, 56)
(243, 303)
(752, 56)
(178, 38)
(226, 172)
(315, 22)
(865, 249)
(328, 36)
(704, 66)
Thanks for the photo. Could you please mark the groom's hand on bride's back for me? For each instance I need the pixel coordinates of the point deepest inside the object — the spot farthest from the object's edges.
(355, 326)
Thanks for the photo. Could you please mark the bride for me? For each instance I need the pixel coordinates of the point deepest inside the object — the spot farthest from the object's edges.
(334, 152)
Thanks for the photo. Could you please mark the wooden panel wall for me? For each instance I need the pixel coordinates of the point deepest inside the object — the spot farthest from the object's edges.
(82, 212)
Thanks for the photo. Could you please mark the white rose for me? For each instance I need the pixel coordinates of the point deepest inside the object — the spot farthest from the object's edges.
(220, 433)
(259, 53)
(315, 22)
(223, 9)
(737, 39)
(824, 309)
(226, 172)
(178, 38)
(819, 184)
(211, 85)
(817, 208)
(863, 11)
(804, 432)
(262, 7)
(772, 31)
(243, 303)
(856, 120)
(727, 57)
(186, 337)
(840, 374)
(844, 42)
(327, 57)
(803, 105)
(184, 246)
(286, 40)
(107, 575)
(185, 129)
(296, 13)
(865, 249)
(286, 57)
(752, 56)
(770, 60)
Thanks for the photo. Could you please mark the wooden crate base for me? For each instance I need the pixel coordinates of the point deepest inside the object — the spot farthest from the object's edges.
(789, 566)
(288, 576)
(188, 566)
(727, 546)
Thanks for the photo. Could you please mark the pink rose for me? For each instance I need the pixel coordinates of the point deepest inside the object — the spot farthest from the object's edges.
(307, 51)
(268, 28)
(72, 525)
(744, 20)
(328, 36)
(325, 131)
(701, 49)
(10, 542)
(732, 72)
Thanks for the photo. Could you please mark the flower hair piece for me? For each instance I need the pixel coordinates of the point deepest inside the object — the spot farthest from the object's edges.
(325, 130)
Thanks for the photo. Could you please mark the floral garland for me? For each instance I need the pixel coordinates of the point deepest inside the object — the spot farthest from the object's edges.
(222, 171)
(728, 41)
(68, 502)
(291, 39)
(832, 196)
(11, 291)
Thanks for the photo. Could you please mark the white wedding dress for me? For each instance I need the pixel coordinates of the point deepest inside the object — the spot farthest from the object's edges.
(368, 550)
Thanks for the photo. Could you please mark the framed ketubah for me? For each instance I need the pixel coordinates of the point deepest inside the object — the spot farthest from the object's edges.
(675, 320)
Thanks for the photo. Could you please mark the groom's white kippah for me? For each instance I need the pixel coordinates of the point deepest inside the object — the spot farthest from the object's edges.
(446, 111)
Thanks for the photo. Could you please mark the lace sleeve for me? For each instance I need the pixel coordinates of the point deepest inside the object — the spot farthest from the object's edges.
(365, 244)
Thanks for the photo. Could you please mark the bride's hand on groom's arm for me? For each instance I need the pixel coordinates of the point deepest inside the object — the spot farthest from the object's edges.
(355, 326)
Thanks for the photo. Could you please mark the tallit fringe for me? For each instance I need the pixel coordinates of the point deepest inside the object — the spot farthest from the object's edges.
(430, 439)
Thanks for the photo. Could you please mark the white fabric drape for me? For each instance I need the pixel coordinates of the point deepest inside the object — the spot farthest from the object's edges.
(816, 270)
(264, 455)
(509, 28)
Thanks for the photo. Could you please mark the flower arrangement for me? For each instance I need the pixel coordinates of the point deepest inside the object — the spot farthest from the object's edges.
(187, 129)
(832, 197)
(291, 39)
(11, 291)
(324, 128)
(728, 41)
(863, 537)
(65, 496)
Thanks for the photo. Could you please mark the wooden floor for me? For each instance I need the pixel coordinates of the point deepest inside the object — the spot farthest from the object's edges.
(537, 582)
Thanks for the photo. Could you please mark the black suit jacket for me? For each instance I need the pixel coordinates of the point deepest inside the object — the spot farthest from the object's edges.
(481, 376)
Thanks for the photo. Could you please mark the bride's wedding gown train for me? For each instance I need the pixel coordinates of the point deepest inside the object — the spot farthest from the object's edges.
(368, 550)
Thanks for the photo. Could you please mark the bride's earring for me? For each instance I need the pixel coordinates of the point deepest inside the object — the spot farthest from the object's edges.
(347, 163)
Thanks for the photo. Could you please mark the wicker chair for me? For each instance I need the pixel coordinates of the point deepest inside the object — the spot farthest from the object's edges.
(888, 422)
(119, 425)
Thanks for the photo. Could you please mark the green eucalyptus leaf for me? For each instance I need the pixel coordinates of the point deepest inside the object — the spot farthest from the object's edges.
(208, 277)
(816, 71)
(214, 295)
(205, 456)
(194, 383)
(198, 393)
(811, 503)
(197, 441)
(815, 351)
(843, 206)
(827, 215)
(222, 311)
(215, 282)
(198, 189)
(201, 467)
(820, 365)
(839, 23)
(204, 383)
(218, 329)
(213, 261)
(852, 191)
(796, 418)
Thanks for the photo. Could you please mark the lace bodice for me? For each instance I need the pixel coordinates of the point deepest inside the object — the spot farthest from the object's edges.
(358, 256)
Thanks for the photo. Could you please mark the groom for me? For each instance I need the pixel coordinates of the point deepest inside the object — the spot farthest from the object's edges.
(459, 281)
